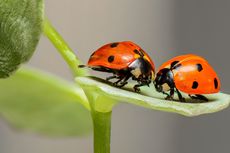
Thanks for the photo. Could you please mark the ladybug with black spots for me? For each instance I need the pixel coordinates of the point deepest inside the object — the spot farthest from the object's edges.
(190, 74)
(124, 60)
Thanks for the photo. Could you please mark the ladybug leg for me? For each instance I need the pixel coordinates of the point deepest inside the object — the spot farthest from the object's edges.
(165, 93)
(111, 77)
(136, 87)
(171, 94)
(141, 83)
(199, 97)
(124, 81)
(181, 98)
(120, 78)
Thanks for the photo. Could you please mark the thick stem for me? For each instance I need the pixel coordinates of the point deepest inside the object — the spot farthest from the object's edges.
(63, 49)
(102, 129)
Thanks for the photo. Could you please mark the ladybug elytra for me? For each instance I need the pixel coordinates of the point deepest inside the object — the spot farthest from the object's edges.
(124, 60)
(190, 74)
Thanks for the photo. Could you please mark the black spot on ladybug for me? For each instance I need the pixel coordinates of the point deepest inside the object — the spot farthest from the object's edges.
(215, 83)
(195, 85)
(136, 51)
(175, 65)
(141, 52)
(111, 59)
(114, 45)
(199, 67)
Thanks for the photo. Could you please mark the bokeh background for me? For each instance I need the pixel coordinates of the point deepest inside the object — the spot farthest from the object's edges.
(164, 28)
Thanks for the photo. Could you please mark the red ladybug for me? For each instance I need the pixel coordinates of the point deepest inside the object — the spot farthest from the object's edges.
(125, 60)
(190, 74)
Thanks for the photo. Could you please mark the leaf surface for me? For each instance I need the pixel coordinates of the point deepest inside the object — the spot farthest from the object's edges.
(45, 104)
(20, 29)
(149, 98)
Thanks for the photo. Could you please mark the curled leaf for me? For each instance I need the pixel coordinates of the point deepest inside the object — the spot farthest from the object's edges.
(20, 30)
(149, 98)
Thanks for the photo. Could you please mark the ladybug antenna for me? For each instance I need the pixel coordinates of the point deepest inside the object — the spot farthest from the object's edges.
(85, 66)
(82, 66)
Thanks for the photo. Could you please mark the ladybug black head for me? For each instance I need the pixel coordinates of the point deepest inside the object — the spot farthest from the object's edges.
(164, 80)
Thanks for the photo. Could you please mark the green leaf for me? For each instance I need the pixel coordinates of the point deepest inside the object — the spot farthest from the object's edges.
(45, 104)
(149, 98)
(20, 30)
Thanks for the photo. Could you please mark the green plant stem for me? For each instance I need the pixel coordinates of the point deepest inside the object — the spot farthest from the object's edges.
(102, 128)
(66, 52)
(101, 120)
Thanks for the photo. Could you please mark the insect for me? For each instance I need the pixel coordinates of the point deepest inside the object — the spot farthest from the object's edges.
(124, 60)
(190, 74)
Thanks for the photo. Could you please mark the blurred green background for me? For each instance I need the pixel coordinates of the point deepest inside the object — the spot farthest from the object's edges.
(164, 28)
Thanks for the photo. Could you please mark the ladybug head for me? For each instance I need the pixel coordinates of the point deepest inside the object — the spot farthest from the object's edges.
(164, 80)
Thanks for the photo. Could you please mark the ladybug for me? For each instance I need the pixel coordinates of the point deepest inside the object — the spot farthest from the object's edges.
(190, 74)
(124, 60)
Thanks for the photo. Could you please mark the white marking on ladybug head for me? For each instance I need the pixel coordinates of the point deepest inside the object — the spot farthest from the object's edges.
(153, 75)
(165, 87)
(136, 72)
